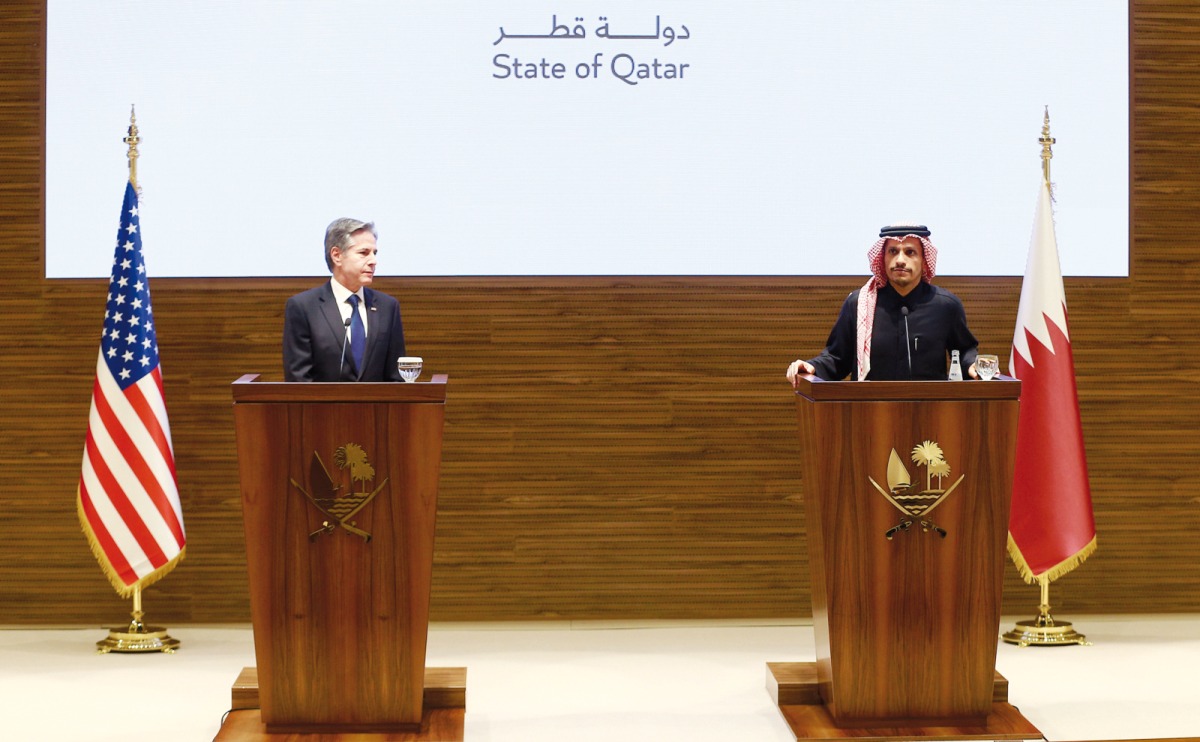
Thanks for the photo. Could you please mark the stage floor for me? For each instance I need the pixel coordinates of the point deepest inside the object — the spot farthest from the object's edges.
(557, 681)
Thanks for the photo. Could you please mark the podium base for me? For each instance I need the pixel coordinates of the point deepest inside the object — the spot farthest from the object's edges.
(443, 718)
(442, 725)
(793, 687)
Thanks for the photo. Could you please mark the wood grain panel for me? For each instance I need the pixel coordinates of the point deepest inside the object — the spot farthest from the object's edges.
(615, 448)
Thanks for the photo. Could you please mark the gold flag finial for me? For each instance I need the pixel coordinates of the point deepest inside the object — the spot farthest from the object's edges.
(1046, 141)
(132, 140)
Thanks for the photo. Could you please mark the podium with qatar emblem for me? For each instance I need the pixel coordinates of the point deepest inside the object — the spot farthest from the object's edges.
(906, 495)
(339, 494)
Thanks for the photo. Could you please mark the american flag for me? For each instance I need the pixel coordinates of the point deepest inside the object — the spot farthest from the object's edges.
(128, 500)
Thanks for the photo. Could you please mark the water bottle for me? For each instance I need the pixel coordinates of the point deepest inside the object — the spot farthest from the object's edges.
(955, 367)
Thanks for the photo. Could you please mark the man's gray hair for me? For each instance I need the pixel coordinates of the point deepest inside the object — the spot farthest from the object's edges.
(337, 234)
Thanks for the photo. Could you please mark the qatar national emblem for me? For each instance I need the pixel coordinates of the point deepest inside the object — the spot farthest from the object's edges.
(914, 504)
(326, 494)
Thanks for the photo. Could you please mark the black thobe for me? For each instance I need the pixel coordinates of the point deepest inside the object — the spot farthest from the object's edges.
(937, 324)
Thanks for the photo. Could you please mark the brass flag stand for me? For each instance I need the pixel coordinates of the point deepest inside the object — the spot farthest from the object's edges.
(1045, 630)
(136, 637)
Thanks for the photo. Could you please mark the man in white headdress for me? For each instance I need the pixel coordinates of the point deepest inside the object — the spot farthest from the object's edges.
(898, 326)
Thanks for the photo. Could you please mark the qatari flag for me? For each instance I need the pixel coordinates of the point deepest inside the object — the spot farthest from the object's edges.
(1050, 529)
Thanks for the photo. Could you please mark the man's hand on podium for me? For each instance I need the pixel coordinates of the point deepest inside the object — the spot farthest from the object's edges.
(804, 367)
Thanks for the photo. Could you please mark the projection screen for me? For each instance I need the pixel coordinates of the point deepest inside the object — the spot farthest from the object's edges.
(591, 138)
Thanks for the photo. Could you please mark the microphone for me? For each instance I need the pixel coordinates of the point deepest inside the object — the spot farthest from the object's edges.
(346, 339)
(907, 340)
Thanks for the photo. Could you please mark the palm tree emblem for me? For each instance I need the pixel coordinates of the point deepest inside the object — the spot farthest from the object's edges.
(352, 456)
(903, 494)
(930, 454)
(324, 497)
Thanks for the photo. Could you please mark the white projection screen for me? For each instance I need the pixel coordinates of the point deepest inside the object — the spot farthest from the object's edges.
(587, 138)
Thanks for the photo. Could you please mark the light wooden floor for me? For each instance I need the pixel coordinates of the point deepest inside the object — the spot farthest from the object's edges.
(580, 681)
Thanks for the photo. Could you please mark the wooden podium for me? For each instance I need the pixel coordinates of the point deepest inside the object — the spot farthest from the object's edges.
(906, 492)
(339, 493)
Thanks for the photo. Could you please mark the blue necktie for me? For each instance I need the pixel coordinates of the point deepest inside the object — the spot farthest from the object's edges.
(358, 334)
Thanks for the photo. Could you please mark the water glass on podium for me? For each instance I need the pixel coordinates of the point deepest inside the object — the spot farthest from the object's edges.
(409, 367)
(987, 366)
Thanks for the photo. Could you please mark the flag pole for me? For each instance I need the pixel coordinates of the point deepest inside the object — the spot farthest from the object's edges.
(1045, 630)
(132, 139)
(137, 637)
(1045, 140)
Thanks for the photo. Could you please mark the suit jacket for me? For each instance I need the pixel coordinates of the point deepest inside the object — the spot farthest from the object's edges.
(314, 336)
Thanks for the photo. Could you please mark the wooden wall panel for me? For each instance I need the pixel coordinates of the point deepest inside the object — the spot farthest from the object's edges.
(614, 448)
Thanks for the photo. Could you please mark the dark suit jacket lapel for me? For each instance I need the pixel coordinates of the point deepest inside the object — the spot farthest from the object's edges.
(333, 317)
(374, 327)
(332, 313)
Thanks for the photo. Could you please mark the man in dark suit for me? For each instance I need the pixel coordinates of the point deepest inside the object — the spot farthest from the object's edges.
(342, 330)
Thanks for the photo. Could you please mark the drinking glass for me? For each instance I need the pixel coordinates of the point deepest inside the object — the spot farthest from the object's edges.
(409, 367)
(987, 366)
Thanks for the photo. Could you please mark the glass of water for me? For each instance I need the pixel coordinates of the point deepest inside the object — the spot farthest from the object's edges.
(987, 366)
(409, 367)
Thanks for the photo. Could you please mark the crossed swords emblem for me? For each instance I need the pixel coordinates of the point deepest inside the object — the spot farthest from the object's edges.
(339, 510)
(913, 505)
